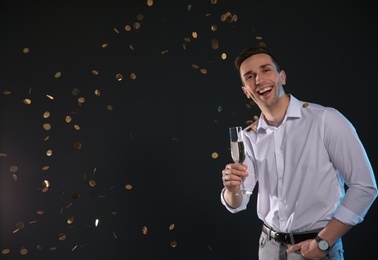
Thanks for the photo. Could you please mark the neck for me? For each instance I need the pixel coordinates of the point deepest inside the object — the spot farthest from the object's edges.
(274, 115)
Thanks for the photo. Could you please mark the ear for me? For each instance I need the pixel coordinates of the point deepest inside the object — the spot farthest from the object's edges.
(283, 77)
(245, 91)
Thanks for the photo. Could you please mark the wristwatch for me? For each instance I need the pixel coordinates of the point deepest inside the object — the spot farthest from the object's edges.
(322, 244)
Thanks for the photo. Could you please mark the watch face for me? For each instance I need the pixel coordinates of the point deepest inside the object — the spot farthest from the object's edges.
(323, 245)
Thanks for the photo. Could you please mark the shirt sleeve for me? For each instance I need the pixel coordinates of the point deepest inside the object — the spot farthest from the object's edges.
(249, 183)
(349, 157)
(243, 205)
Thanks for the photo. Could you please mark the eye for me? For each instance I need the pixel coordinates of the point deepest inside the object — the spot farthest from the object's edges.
(250, 76)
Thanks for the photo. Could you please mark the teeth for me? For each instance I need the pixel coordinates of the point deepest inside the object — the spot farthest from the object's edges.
(264, 90)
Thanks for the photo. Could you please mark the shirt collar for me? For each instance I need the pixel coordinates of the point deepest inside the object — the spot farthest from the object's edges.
(293, 111)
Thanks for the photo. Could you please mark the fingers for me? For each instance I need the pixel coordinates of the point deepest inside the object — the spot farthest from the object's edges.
(293, 248)
(233, 174)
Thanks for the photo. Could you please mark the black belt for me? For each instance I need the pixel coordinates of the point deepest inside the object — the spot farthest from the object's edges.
(285, 237)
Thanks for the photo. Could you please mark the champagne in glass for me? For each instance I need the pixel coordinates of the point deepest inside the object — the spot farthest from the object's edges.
(238, 150)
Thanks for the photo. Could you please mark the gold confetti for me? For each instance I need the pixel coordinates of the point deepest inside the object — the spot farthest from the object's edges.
(77, 145)
(150, 2)
(133, 76)
(5, 251)
(128, 186)
(95, 72)
(97, 92)
(171, 226)
(25, 50)
(92, 183)
(194, 35)
(81, 100)
(203, 71)
(46, 114)
(46, 184)
(104, 45)
(14, 176)
(45, 168)
(70, 220)
(49, 152)
(116, 30)
(27, 101)
(259, 38)
(119, 77)
(62, 236)
(75, 91)
(109, 107)
(173, 243)
(214, 155)
(255, 118)
(23, 251)
(214, 28)
(136, 25)
(20, 225)
(114, 234)
(140, 17)
(305, 105)
(262, 44)
(164, 52)
(77, 127)
(214, 2)
(144, 230)
(58, 74)
(127, 28)
(46, 126)
(195, 66)
(50, 97)
(7, 92)
(214, 44)
(13, 168)
(68, 119)
(40, 212)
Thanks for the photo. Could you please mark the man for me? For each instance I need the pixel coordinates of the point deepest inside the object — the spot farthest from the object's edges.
(301, 154)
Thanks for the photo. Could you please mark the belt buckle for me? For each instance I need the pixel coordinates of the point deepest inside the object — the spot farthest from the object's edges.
(282, 238)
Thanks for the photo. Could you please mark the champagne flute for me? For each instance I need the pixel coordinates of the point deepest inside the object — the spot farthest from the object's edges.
(238, 150)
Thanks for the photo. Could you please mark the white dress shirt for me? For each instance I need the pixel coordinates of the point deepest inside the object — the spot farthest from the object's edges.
(301, 167)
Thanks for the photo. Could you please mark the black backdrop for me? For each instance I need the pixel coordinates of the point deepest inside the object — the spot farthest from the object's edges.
(157, 131)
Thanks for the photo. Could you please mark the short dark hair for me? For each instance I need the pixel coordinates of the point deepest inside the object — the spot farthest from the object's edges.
(246, 53)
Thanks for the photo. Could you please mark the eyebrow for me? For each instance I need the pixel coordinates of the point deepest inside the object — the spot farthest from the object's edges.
(260, 67)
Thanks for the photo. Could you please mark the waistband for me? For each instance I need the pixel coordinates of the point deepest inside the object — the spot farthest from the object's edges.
(287, 238)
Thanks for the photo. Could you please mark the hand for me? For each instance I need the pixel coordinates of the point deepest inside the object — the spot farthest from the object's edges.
(308, 249)
(232, 176)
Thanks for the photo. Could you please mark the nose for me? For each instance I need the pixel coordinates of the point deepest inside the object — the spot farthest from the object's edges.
(258, 79)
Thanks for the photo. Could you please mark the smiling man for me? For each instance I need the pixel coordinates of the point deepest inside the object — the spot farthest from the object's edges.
(301, 154)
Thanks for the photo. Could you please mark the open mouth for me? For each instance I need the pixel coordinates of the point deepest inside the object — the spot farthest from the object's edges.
(264, 91)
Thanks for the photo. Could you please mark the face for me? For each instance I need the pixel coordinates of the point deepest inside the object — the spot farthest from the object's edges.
(261, 80)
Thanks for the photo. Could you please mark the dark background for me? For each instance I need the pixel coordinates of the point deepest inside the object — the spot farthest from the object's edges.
(164, 125)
